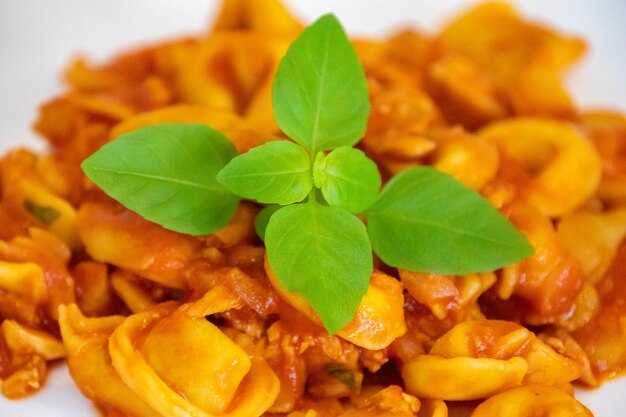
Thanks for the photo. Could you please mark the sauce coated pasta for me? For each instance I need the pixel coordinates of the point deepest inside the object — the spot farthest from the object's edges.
(156, 323)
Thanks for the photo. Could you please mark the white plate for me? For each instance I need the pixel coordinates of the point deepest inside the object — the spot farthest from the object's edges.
(37, 38)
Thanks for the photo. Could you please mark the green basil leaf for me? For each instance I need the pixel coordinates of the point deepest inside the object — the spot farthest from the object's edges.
(348, 179)
(277, 172)
(263, 218)
(166, 173)
(324, 254)
(320, 92)
(427, 221)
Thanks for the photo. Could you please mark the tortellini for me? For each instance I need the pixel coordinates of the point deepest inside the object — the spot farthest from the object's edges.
(28, 351)
(563, 168)
(87, 343)
(532, 400)
(117, 236)
(379, 319)
(168, 360)
(477, 359)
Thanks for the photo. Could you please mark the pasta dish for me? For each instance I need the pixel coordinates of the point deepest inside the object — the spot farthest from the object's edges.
(272, 220)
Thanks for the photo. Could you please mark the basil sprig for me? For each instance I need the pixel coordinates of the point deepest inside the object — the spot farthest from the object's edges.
(187, 178)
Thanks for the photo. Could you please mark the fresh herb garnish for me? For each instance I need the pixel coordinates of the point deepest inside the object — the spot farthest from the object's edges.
(320, 93)
(188, 179)
(275, 173)
(347, 178)
(323, 253)
(263, 218)
(427, 221)
(167, 174)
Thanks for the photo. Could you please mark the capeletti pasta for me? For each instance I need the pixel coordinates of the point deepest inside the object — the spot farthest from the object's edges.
(162, 317)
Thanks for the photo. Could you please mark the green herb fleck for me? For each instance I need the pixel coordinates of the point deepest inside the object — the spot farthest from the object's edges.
(46, 215)
(344, 375)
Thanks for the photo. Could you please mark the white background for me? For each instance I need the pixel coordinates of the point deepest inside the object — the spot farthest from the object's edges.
(38, 37)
